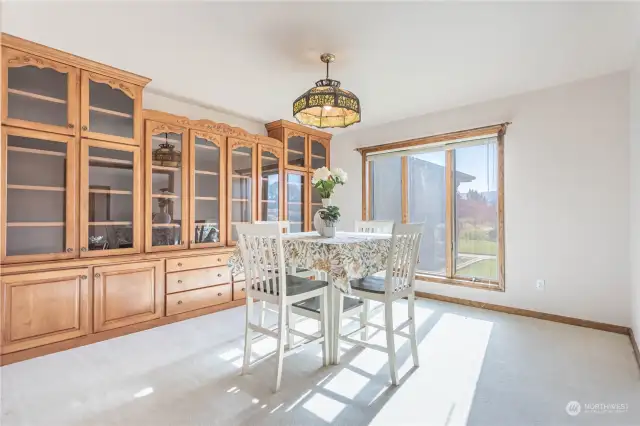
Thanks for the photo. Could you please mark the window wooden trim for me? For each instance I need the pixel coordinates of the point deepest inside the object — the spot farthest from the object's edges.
(450, 277)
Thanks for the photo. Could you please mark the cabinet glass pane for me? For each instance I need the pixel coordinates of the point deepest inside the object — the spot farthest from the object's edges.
(295, 151)
(270, 186)
(36, 202)
(111, 199)
(166, 189)
(295, 201)
(37, 95)
(318, 155)
(241, 186)
(207, 191)
(110, 110)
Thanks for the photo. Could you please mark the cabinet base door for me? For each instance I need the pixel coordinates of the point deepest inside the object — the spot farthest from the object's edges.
(127, 294)
(44, 307)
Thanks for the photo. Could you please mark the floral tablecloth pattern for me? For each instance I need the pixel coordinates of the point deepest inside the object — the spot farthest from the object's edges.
(348, 256)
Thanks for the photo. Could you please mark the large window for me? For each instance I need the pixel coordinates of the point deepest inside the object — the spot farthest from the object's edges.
(454, 186)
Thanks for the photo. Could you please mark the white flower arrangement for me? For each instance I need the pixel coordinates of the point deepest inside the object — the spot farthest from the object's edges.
(325, 180)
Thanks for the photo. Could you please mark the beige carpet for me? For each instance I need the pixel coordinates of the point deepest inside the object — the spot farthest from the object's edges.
(477, 368)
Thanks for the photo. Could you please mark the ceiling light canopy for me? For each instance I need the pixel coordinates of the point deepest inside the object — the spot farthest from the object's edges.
(327, 105)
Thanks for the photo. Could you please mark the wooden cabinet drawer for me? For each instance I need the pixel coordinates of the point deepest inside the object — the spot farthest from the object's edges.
(196, 299)
(197, 262)
(197, 278)
(239, 290)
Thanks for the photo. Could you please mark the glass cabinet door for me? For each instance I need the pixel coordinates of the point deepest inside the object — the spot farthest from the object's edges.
(315, 204)
(269, 172)
(109, 199)
(166, 194)
(295, 150)
(110, 109)
(241, 158)
(38, 188)
(319, 152)
(38, 93)
(296, 193)
(206, 188)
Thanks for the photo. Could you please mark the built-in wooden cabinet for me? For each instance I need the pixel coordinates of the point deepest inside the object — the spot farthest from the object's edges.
(39, 93)
(305, 150)
(111, 109)
(207, 198)
(44, 307)
(110, 207)
(126, 294)
(167, 186)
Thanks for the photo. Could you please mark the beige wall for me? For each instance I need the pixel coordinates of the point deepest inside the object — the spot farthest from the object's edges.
(566, 194)
(634, 159)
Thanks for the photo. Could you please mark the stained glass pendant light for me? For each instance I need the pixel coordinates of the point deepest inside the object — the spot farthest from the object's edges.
(327, 105)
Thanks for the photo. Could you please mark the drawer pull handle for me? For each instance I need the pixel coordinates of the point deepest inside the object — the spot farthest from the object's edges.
(179, 302)
(179, 264)
(179, 281)
(97, 275)
(219, 294)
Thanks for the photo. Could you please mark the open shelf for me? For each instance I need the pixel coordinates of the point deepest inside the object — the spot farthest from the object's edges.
(110, 112)
(31, 224)
(36, 96)
(110, 223)
(204, 172)
(36, 151)
(165, 168)
(37, 188)
(109, 191)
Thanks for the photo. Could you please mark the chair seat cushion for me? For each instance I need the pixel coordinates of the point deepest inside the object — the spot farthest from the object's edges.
(295, 285)
(313, 304)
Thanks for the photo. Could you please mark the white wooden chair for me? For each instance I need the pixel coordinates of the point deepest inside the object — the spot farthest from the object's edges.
(398, 283)
(374, 226)
(263, 257)
(371, 227)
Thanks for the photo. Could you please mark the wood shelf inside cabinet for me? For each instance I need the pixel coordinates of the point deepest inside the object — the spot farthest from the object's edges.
(211, 147)
(37, 188)
(295, 183)
(269, 201)
(295, 151)
(36, 151)
(165, 168)
(297, 223)
(109, 191)
(36, 96)
(165, 225)
(111, 223)
(164, 196)
(240, 200)
(246, 154)
(322, 157)
(33, 224)
(109, 162)
(110, 112)
(241, 177)
(295, 202)
(205, 172)
(207, 198)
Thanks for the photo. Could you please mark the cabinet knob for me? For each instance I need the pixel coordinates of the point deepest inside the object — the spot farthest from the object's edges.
(219, 294)
(97, 275)
(181, 242)
(83, 249)
(219, 275)
(69, 250)
(84, 277)
(85, 128)
(192, 242)
(179, 264)
(242, 289)
(179, 281)
(70, 125)
(179, 302)
(219, 260)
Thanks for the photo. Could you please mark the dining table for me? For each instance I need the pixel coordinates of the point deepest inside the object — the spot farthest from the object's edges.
(345, 257)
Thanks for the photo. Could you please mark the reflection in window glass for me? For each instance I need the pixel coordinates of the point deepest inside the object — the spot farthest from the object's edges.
(386, 202)
(476, 211)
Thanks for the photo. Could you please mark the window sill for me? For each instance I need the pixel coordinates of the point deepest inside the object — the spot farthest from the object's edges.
(478, 284)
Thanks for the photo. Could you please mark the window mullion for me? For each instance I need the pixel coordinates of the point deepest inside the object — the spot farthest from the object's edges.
(450, 213)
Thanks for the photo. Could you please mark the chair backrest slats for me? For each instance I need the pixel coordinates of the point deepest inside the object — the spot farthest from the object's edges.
(262, 254)
(403, 256)
(374, 226)
(285, 225)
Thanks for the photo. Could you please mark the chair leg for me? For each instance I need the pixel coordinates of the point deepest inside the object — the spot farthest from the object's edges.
(391, 344)
(282, 329)
(324, 313)
(263, 311)
(290, 326)
(338, 325)
(364, 319)
(247, 336)
(412, 329)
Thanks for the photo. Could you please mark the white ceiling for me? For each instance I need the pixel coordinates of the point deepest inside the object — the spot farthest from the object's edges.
(402, 60)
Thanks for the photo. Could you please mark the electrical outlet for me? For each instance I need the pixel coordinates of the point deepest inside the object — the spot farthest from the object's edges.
(540, 285)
